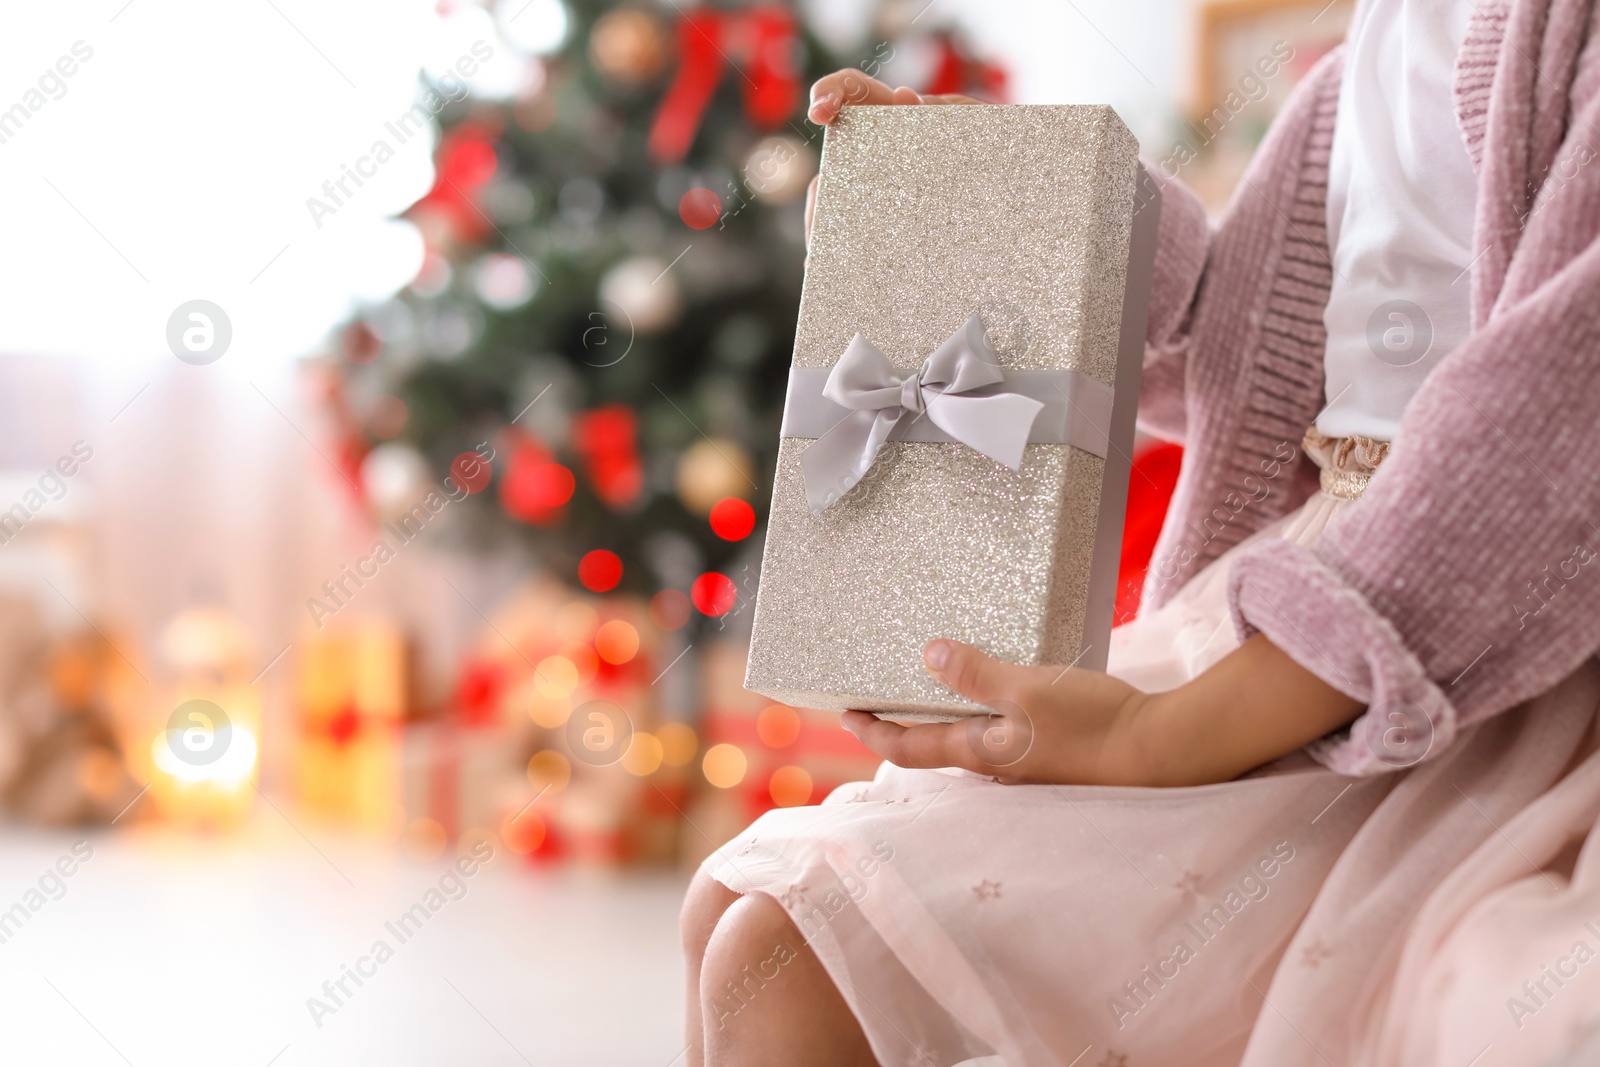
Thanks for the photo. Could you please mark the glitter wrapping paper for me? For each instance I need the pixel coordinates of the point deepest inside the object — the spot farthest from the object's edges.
(1040, 219)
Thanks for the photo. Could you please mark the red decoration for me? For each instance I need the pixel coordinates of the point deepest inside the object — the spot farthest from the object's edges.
(471, 472)
(535, 488)
(713, 594)
(478, 691)
(732, 519)
(600, 571)
(344, 726)
(700, 208)
(1150, 486)
(465, 162)
(956, 71)
(760, 39)
(607, 440)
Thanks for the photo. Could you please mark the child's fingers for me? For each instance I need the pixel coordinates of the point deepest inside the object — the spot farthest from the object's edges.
(936, 744)
(833, 91)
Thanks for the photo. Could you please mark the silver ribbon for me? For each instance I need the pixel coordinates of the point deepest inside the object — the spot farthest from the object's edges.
(863, 401)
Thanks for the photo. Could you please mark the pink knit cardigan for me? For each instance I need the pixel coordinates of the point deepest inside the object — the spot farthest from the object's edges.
(1467, 577)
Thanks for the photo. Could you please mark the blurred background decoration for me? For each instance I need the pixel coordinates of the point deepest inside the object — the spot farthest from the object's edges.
(607, 298)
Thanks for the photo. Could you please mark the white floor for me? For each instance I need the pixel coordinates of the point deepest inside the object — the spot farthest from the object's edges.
(166, 949)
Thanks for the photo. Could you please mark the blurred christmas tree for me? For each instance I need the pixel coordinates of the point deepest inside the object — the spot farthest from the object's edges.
(611, 284)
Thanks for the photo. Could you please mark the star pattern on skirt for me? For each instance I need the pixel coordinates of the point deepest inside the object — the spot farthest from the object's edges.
(861, 794)
(1189, 884)
(1113, 1058)
(986, 889)
(794, 896)
(902, 800)
(750, 846)
(1313, 954)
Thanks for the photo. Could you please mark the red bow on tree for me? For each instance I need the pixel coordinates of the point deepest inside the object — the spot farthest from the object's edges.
(760, 41)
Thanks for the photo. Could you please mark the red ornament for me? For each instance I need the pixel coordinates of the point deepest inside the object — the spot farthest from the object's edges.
(606, 438)
(534, 488)
(732, 519)
(465, 161)
(344, 726)
(957, 71)
(761, 39)
(600, 571)
(700, 208)
(713, 594)
(471, 472)
(478, 691)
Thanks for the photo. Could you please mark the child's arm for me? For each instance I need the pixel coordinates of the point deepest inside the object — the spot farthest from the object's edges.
(1084, 727)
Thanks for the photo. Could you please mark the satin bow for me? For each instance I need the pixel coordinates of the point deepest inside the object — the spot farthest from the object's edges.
(879, 395)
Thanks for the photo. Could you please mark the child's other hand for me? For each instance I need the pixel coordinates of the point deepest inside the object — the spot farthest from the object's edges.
(850, 86)
(1051, 725)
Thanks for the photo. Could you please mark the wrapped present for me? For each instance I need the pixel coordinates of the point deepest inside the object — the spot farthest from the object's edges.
(957, 429)
(351, 698)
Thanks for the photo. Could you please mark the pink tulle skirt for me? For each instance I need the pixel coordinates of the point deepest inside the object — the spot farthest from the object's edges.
(1261, 921)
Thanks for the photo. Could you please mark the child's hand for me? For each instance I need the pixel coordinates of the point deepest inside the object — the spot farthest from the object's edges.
(850, 86)
(1080, 727)
(1050, 724)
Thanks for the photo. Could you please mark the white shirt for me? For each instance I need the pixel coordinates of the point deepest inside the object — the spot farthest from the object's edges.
(1401, 198)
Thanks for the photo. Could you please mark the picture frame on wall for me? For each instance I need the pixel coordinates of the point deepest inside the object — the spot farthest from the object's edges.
(1248, 56)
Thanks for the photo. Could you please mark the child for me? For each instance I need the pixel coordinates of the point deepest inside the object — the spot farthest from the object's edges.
(1215, 853)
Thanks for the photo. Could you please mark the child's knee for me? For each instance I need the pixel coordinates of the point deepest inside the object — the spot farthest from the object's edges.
(703, 906)
(753, 942)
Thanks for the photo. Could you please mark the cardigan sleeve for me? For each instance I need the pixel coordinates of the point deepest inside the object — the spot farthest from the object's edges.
(1467, 577)
(1182, 241)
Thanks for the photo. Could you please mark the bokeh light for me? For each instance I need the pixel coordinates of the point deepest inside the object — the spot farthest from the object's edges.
(549, 771)
(700, 208)
(669, 609)
(555, 677)
(471, 472)
(600, 571)
(732, 519)
(778, 725)
(644, 755)
(724, 765)
(523, 833)
(713, 594)
(678, 743)
(616, 641)
(790, 787)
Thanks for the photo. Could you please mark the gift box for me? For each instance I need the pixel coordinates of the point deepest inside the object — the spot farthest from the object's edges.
(959, 419)
(352, 694)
